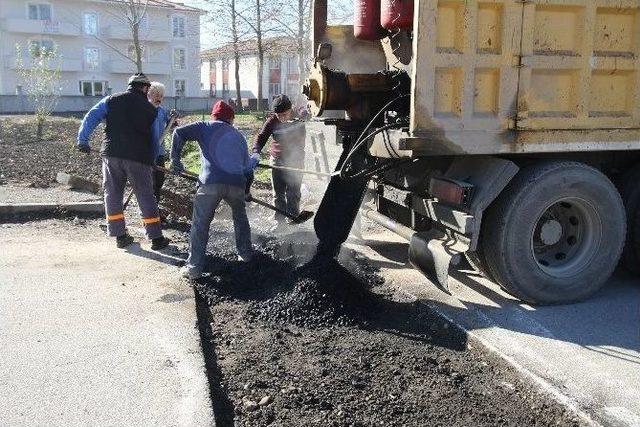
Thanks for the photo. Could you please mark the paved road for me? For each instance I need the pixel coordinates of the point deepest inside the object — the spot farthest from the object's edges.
(586, 354)
(92, 335)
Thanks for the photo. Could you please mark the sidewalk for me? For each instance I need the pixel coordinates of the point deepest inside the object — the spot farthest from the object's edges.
(94, 335)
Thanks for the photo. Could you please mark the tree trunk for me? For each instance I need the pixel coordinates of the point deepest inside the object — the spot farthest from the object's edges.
(300, 41)
(40, 127)
(236, 55)
(136, 45)
(135, 30)
(260, 54)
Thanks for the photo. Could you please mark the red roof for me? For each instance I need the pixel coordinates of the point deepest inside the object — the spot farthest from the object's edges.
(282, 45)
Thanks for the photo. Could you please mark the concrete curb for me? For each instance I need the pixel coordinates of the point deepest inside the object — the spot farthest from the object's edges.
(18, 208)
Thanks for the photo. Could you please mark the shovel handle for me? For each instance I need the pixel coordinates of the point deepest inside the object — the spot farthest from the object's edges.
(296, 170)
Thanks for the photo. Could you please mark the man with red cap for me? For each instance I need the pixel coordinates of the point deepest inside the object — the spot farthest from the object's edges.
(225, 161)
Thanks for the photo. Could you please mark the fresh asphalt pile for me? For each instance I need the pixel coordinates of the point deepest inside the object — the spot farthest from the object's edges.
(295, 340)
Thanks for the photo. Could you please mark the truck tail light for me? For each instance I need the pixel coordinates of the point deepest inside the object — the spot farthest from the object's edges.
(451, 191)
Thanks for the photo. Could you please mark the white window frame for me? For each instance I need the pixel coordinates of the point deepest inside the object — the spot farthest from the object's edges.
(272, 63)
(184, 26)
(39, 42)
(292, 64)
(39, 3)
(84, 58)
(84, 27)
(173, 57)
(105, 87)
(184, 87)
(273, 92)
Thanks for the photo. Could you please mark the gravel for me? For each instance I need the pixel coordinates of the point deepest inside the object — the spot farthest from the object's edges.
(294, 340)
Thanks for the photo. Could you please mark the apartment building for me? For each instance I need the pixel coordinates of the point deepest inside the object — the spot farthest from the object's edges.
(280, 70)
(95, 45)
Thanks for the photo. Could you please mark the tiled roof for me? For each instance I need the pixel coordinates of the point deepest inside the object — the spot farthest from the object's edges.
(250, 47)
(168, 4)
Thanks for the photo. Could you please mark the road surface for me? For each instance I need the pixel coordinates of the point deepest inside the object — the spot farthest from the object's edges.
(586, 354)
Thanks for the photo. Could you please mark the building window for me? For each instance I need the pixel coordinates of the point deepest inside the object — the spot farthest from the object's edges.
(90, 23)
(178, 23)
(225, 64)
(38, 48)
(274, 89)
(92, 58)
(93, 88)
(225, 88)
(39, 11)
(180, 87)
(179, 59)
(131, 53)
(274, 63)
(212, 90)
(292, 65)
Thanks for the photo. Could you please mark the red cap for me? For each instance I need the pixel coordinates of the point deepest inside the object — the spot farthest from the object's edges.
(222, 111)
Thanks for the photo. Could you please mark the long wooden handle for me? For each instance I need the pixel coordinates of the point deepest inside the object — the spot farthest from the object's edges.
(296, 170)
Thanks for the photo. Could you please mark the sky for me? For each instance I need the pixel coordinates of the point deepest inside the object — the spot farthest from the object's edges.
(207, 36)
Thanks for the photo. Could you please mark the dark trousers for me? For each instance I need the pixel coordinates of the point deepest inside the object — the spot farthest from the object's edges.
(158, 178)
(115, 174)
(286, 188)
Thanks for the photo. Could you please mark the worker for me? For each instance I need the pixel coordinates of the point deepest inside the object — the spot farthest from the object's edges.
(225, 161)
(156, 96)
(287, 149)
(127, 154)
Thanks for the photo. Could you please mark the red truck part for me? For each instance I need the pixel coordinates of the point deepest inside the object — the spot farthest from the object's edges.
(366, 20)
(396, 14)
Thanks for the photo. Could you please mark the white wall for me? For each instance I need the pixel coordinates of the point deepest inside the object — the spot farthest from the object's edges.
(71, 47)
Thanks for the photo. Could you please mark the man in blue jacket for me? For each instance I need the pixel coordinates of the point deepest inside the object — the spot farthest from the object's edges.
(128, 153)
(225, 160)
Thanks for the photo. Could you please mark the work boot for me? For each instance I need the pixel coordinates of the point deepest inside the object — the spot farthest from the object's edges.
(124, 241)
(159, 243)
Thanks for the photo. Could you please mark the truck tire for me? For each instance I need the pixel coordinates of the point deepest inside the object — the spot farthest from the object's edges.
(555, 234)
(629, 186)
(478, 263)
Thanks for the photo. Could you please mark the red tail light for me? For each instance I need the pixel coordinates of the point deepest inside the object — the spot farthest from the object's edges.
(451, 191)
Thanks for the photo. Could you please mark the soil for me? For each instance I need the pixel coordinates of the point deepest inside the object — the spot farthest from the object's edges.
(295, 340)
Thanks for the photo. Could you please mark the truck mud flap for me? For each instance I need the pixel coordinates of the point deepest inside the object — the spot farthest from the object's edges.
(433, 252)
(337, 211)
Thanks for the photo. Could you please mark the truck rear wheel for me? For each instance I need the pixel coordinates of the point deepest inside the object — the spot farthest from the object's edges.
(630, 191)
(555, 234)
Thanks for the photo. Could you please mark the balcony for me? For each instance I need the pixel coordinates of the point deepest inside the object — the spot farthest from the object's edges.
(128, 67)
(66, 64)
(34, 26)
(155, 34)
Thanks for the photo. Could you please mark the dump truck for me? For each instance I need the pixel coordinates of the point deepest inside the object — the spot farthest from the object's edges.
(506, 132)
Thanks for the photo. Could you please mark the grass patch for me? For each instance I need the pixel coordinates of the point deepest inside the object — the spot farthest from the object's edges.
(249, 124)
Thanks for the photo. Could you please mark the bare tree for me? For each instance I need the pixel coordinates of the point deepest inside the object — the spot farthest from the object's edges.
(223, 12)
(131, 13)
(39, 73)
(294, 20)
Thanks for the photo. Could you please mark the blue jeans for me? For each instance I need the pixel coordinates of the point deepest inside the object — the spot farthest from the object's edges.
(208, 197)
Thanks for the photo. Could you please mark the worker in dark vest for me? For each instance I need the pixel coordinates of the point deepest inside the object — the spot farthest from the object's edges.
(286, 149)
(128, 153)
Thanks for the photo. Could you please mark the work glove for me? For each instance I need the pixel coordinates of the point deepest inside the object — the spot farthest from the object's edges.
(177, 168)
(254, 161)
(84, 149)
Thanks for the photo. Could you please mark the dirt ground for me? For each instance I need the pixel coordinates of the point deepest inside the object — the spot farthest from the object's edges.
(293, 340)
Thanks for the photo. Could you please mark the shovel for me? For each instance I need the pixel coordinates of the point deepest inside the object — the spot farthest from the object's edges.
(296, 219)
